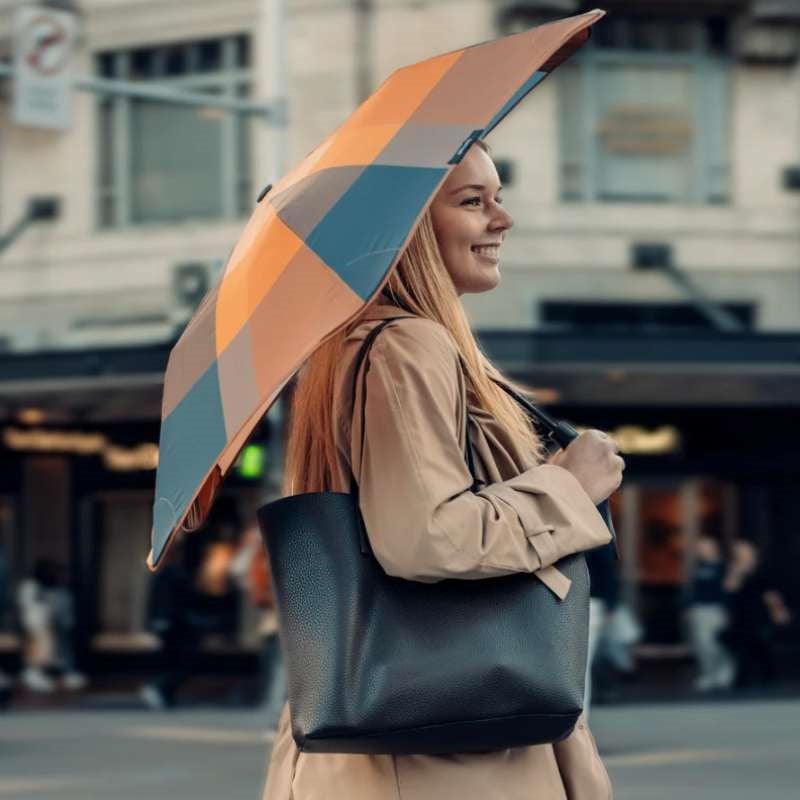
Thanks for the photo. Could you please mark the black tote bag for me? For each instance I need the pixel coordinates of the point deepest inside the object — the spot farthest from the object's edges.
(378, 664)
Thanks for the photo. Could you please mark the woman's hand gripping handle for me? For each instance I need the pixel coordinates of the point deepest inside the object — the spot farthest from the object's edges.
(593, 458)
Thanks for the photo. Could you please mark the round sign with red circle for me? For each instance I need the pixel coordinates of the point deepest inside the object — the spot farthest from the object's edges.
(46, 45)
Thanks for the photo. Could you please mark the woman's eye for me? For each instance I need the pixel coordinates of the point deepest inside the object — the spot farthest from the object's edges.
(477, 200)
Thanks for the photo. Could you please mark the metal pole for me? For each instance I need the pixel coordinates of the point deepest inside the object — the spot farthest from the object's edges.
(8, 238)
(269, 165)
(277, 15)
(150, 91)
(39, 208)
(719, 317)
(364, 10)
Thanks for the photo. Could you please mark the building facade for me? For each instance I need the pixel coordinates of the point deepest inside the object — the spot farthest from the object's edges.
(651, 285)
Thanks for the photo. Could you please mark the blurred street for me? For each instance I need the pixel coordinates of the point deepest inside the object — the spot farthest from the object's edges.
(702, 751)
(157, 208)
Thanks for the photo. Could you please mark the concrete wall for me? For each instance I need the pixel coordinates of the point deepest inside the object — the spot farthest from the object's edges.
(749, 250)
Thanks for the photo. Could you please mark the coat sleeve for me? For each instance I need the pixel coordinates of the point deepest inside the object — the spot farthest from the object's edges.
(422, 520)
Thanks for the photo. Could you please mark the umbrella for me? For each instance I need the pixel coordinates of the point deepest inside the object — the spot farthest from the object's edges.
(321, 244)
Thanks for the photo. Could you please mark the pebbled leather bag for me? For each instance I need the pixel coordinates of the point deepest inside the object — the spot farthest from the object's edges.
(378, 664)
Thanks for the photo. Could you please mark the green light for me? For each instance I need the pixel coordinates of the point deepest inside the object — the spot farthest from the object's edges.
(252, 461)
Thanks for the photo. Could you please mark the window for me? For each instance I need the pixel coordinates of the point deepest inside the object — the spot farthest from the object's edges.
(643, 114)
(161, 162)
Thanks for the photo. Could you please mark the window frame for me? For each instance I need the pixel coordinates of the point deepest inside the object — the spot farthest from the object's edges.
(230, 80)
(710, 156)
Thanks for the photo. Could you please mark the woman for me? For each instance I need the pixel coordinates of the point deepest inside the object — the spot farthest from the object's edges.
(424, 524)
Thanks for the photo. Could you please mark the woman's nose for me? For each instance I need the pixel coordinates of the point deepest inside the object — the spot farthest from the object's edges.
(501, 220)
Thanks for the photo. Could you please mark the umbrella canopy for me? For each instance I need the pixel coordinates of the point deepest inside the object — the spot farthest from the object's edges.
(320, 246)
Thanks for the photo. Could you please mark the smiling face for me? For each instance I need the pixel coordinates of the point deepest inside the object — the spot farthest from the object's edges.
(470, 223)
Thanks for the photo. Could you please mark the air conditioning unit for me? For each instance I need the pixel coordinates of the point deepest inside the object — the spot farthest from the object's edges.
(191, 281)
(768, 43)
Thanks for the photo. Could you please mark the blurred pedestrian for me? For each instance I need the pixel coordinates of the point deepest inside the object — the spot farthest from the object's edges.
(707, 617)
(622, 633)
(167, 618)
(251, 567)
(756, 607)
(191, 599)
(47, 618)
(214, 603)
(604, 594)
(5, 593)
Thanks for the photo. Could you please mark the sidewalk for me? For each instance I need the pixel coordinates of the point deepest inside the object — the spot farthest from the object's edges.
(669, 680)
(725, 751)
(656, 684)
(121, 692)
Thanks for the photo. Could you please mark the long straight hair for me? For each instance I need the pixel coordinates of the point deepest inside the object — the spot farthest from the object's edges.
(421, 285)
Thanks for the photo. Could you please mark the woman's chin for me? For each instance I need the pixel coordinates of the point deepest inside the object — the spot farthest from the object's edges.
(475, 280)
(489, 280)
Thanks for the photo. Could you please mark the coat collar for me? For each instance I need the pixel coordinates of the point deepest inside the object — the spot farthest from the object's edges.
(384, 311)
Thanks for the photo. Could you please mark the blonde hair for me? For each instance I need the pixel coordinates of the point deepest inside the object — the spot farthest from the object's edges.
(421, 285)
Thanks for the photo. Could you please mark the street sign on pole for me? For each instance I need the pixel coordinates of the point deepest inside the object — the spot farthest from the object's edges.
(44, 43)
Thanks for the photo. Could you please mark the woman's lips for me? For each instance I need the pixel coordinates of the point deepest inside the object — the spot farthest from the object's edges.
(490, 253)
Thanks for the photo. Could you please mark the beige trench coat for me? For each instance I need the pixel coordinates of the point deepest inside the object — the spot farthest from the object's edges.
(425, 525)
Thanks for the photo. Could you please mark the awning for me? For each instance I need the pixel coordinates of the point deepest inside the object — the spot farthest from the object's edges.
(581, 367)
(98, 385)
(637, 367)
